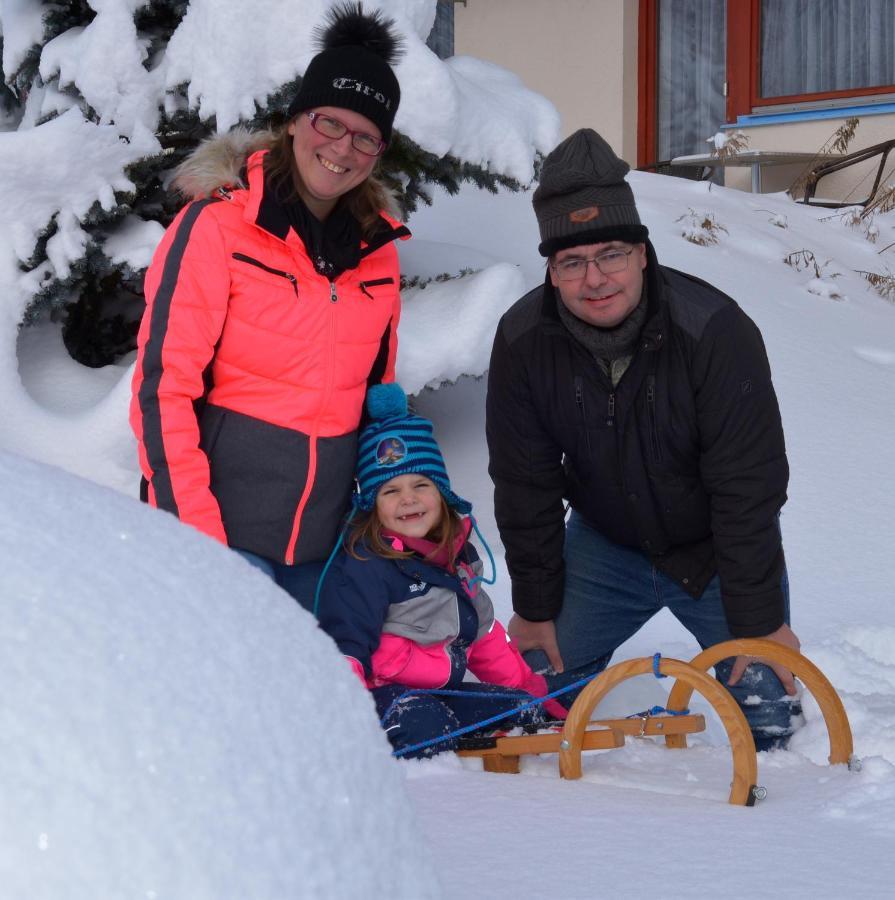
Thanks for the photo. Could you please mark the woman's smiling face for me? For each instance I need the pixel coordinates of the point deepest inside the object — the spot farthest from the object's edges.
(329, 168)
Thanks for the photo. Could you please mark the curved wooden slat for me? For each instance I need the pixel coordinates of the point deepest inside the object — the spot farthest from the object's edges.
(835, 717)
(745, 767)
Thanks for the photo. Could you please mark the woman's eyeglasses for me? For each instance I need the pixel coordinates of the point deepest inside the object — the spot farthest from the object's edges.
(334, 129)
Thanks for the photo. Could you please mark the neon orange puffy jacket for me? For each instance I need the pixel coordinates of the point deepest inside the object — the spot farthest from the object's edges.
(236, 314)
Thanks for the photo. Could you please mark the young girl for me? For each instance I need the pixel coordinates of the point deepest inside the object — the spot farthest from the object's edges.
(403, 601)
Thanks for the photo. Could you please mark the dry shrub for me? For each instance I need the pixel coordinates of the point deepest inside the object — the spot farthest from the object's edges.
(701, 228)
(734, 142)
(882, 282)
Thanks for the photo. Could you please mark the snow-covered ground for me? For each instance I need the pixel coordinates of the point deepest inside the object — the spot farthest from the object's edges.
(643, 818)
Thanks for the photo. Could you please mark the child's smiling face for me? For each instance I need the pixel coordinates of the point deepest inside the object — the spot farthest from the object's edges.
(409, 505)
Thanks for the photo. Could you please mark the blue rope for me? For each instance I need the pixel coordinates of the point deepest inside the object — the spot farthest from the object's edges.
(658, 711)
(443, 692)
(332, 555)
(476, 725)
(478, 578)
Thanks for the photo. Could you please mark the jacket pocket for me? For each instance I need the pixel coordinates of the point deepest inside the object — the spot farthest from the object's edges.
(280, 273)
(374, 283)
(398, 660)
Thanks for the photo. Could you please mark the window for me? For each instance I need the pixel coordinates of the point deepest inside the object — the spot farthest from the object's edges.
(825, 46)
(788, 52)
(690, 98)
(699, 68)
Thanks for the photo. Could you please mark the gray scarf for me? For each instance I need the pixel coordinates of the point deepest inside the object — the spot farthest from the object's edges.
(612, 348)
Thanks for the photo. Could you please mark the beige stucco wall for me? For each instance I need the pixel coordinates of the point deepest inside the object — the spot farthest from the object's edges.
(581, 54)
(811, 137)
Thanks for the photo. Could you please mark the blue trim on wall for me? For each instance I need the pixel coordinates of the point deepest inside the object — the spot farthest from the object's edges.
(808, 115)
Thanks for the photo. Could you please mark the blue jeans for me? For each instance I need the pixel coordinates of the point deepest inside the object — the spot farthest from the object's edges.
(418, 717)
(611, 591)
(298, 581)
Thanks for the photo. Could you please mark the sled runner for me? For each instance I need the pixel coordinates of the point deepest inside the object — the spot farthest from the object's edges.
(579, 733)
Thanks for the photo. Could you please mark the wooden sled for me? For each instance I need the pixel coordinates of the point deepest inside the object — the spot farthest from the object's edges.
(581, 733)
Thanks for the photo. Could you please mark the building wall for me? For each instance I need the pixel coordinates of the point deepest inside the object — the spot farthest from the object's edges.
(580, 54)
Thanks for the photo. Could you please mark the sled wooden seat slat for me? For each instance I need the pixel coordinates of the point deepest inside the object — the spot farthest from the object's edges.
(504, 755)
(500, 757)
(655, 726)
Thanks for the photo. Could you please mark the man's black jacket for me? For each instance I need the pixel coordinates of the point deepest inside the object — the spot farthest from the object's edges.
(684, 459)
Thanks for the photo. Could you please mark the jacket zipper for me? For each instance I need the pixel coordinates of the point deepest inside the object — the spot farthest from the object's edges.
(579, 402)
(311, 478)
(260, 265)
(610, 410)
(333, 296)
(651, 417)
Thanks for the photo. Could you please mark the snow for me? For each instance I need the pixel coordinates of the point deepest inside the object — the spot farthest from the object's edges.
(420, 362)
(21, 24)
(129, 642)
(163, 731)
(639, 806)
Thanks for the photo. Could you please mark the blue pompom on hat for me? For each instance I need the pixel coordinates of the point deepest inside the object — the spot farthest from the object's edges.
(397, 443)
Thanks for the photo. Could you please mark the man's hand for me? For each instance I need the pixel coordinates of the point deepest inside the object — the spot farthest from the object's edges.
(537, 636)
(783, 635)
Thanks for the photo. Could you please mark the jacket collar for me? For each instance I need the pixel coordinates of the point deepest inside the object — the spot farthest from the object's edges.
(264, 211)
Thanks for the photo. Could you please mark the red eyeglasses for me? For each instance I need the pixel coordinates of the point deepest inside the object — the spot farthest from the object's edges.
(334, 129)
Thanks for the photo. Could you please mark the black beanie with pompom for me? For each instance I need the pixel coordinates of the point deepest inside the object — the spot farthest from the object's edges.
(354, 67)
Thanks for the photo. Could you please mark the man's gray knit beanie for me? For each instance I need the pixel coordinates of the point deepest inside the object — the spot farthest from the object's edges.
(583, 197)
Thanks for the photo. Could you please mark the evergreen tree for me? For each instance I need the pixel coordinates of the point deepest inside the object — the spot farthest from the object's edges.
(98, 296)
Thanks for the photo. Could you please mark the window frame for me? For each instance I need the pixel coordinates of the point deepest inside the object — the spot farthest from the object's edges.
(744, 68)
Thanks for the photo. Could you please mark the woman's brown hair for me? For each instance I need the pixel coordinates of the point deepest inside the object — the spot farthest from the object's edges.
(366, 529)
(364, 202)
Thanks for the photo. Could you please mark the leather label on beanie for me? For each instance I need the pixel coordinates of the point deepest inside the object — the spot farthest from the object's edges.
(588, 214)
(352, 84)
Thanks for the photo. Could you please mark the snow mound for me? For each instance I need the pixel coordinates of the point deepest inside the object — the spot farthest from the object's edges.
(173, 724)
(467, 307)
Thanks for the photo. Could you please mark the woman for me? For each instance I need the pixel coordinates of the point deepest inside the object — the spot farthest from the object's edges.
(272, 304)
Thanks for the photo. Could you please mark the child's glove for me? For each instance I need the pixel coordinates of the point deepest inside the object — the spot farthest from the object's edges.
(536, 685)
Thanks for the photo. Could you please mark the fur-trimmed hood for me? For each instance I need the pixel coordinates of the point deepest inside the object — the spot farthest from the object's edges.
(217, 162)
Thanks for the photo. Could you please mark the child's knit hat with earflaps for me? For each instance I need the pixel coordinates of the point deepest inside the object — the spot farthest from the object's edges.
(397, 443)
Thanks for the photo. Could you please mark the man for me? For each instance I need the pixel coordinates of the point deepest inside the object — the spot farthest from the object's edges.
(641, 396)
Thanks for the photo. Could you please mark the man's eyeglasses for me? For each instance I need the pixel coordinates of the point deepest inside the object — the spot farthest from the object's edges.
(334, 129)
(609, 262)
